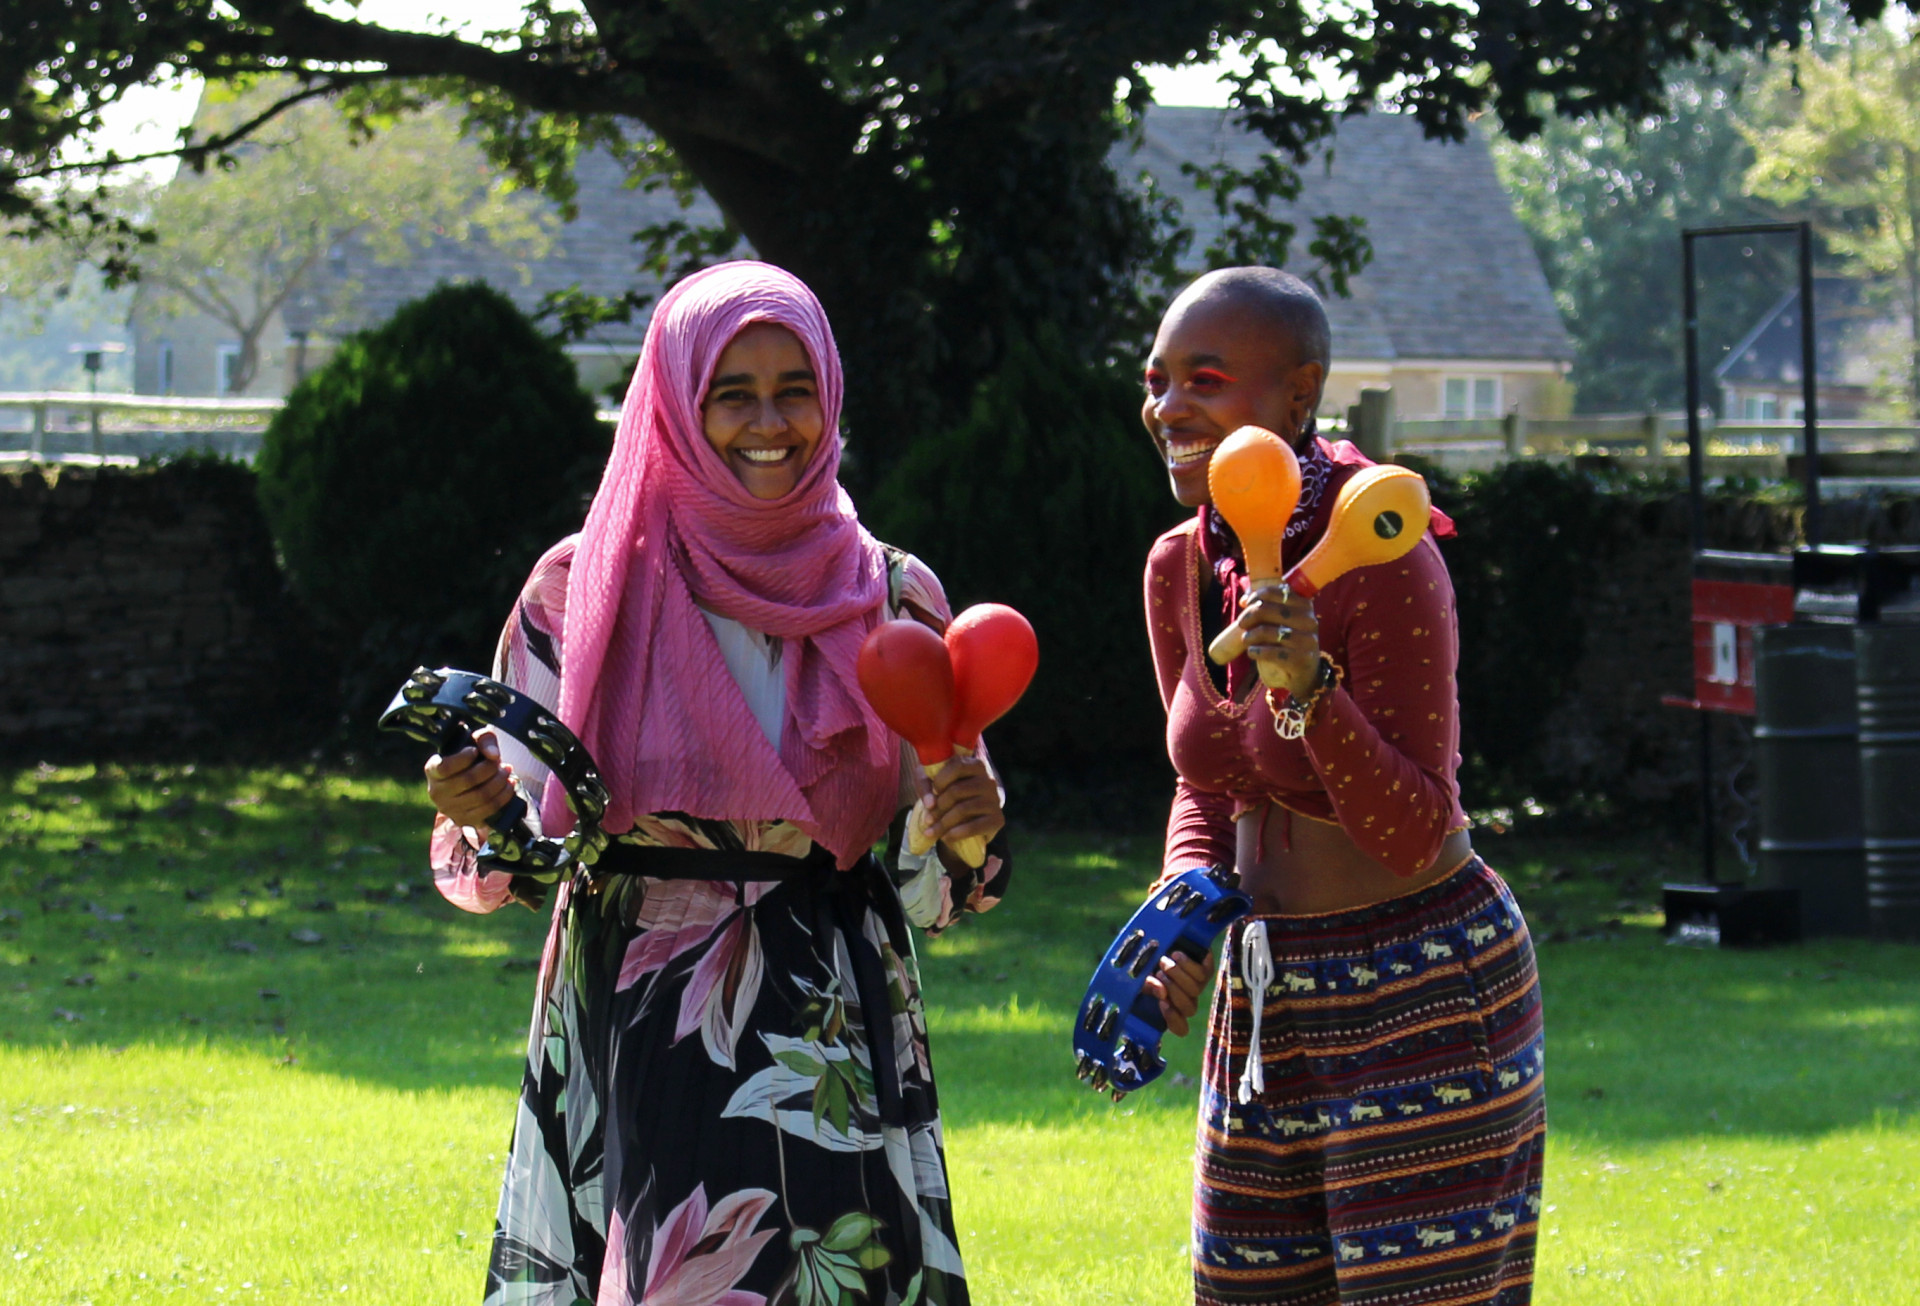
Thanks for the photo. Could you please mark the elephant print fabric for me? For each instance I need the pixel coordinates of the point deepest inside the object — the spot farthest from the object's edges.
(1395, 1155)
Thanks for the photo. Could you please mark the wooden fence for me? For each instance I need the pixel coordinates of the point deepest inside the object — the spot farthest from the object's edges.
(62, 426)
(1648, 441)
(75, 426)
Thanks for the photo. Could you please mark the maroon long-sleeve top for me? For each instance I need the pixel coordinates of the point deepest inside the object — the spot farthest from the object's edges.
(1379, 757)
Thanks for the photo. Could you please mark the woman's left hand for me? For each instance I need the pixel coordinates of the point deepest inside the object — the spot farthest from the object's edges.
(965, 801)
(1282, 637)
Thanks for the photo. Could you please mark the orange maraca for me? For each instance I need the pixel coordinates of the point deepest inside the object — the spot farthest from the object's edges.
(1378, 516)
(1254, 482)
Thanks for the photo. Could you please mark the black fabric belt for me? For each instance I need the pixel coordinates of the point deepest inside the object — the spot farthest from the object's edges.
(710, 863)
(837, 898)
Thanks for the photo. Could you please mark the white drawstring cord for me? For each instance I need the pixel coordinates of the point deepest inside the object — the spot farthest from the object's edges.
(1256, 973)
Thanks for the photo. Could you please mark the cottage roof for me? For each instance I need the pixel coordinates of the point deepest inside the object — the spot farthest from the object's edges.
(596, 251)
(1453, 273)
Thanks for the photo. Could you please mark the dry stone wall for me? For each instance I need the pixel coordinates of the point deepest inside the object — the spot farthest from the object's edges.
(141, 612)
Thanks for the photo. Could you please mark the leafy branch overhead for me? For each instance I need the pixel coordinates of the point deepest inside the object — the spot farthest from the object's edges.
(939, 172)
(1836, 136)
(1252, 234)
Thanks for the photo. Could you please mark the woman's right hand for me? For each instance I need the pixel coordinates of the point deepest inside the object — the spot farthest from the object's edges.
(471, 785)
(1177, 985)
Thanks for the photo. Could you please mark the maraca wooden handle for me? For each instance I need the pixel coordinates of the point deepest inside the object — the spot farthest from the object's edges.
(1232, 642)
(972, 850)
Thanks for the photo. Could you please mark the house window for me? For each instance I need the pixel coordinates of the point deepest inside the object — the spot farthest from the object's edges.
(228, 367)
(165, 377)
(1761, 408)
(1471, 396)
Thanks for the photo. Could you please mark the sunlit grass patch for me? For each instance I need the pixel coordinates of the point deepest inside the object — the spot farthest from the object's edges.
(194, 1092)
(211, 1173)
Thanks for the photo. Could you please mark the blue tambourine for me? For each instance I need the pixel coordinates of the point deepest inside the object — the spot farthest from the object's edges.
(1116, 1040)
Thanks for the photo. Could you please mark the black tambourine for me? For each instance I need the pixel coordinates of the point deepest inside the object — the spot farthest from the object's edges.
(443, 708)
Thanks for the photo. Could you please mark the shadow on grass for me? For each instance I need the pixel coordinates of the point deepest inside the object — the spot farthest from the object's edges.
(166, 908)
(1646, 1041)
(285, 913)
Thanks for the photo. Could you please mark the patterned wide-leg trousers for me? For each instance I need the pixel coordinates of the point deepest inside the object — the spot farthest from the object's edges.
(1388, 1146)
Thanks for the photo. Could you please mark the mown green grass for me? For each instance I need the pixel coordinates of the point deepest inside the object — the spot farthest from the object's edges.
(1727, 1127)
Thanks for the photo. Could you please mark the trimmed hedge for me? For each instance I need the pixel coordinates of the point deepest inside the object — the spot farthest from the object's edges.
(412, 482)
(1047, 498)
(142, 616)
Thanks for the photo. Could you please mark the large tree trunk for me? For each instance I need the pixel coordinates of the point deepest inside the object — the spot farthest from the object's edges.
(922, 281)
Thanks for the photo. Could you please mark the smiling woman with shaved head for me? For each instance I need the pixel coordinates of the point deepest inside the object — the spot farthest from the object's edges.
(1372, 1121)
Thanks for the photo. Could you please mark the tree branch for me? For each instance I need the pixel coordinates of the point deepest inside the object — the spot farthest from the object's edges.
(196, 155)
(804, 125)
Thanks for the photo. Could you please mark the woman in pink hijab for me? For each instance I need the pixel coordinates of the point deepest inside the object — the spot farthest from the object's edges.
(728, 1097)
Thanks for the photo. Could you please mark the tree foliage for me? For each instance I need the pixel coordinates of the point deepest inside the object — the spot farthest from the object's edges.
(239, 240)
(940, 173)
(1605, 198)
(1047, 497)
(1836, 136)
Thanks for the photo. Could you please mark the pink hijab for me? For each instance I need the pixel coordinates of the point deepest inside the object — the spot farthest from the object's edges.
(642, 680)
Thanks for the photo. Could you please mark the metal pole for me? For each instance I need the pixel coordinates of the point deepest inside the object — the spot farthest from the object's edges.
(1809, 421)
(1696, 517)
(1708, 812)
(1696, 453)
(1696, 462)
(93, 388)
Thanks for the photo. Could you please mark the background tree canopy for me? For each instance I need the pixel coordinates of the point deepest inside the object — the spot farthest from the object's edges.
(950, 178)
(1605, 198)
(942, 174)
(1836, 135)
(238, 243)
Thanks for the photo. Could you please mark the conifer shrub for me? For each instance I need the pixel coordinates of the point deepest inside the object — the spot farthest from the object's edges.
(412, 481)
(1047, 497)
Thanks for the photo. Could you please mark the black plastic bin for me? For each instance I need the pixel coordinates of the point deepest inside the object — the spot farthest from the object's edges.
(1888, 666)
(1806, 744)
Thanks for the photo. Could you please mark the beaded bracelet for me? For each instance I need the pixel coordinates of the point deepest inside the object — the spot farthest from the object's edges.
(1291, 718)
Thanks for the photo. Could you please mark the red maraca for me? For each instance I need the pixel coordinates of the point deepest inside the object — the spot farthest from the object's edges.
(907, 676)
(936, 694)
(994, 657)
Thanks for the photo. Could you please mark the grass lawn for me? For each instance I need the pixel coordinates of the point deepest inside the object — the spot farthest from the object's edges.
(247, 1054)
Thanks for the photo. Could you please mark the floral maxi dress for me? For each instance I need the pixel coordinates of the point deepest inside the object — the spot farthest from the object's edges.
(703, 1120)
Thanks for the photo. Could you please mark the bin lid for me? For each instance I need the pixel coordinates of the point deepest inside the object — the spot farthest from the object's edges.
(1744, 568)
(1848, 584)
